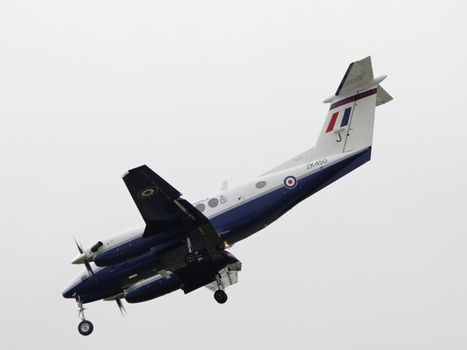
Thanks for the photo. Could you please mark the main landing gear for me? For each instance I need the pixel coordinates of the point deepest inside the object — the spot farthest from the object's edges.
(219, 295)
(190, 258)
(85, 327)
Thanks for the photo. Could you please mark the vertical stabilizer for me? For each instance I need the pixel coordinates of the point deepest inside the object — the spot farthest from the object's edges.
(349, 123)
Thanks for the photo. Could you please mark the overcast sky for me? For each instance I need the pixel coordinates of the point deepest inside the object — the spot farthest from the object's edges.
(204, 91)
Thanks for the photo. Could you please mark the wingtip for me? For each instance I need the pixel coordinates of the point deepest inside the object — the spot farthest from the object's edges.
(144, 166)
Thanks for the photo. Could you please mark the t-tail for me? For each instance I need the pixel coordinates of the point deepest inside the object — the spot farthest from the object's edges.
(349, 122)
(348, 126)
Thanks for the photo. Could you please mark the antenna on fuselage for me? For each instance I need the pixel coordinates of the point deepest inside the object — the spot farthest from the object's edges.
(225, 185)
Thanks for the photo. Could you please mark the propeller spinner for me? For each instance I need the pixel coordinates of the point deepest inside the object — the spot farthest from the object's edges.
(82, 258)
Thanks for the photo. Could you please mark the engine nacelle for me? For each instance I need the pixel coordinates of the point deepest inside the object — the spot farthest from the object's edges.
(118, 255)
(131, 250)
(151, 288)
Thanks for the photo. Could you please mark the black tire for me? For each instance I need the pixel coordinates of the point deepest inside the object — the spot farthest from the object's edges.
(191, 258)
(85, 327)
(220, 296)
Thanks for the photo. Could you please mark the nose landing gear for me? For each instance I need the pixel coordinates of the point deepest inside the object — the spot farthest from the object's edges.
(85, 327)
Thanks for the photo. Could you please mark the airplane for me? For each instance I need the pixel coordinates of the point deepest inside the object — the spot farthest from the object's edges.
(183, 245)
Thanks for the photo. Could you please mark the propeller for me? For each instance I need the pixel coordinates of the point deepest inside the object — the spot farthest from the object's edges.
(120, 306)
(86, 262)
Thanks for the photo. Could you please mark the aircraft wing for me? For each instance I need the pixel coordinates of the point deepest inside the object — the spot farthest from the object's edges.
(163, 209)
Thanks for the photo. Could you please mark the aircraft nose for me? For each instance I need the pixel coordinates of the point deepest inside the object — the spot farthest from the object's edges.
(68, 292)
(71, 290)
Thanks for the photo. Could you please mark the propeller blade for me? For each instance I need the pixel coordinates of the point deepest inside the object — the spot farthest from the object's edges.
(88, 267)
(80, 249)
(121, 307)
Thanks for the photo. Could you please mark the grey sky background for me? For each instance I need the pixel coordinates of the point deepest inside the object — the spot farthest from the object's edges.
(204, 91)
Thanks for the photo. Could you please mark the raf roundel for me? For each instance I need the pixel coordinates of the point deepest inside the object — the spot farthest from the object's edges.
(290, 182)
(147, 192)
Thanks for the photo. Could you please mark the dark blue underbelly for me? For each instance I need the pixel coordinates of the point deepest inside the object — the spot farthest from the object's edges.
(250, 217)
(234, 225)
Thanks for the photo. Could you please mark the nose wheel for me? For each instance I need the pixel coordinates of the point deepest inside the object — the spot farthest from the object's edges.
(85, 327)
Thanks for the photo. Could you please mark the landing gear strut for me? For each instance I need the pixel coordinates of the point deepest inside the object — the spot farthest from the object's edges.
(191, 257)
(85, 327)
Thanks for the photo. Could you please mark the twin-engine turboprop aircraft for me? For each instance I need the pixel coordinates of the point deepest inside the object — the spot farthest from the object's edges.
(182, 245)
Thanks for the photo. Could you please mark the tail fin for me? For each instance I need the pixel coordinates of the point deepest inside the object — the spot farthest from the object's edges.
(349, 123)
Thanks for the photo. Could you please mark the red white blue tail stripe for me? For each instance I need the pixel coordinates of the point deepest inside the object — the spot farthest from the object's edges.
(344, 119)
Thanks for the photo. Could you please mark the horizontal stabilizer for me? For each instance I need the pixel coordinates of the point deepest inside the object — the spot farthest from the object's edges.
(382, 96)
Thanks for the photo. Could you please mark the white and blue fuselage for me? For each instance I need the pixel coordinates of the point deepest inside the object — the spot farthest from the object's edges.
(234, 213)
(152, 259)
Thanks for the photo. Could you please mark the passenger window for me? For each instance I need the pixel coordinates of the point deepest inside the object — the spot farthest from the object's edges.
(261, 184)
(213, 202)
(200, 207)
